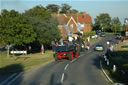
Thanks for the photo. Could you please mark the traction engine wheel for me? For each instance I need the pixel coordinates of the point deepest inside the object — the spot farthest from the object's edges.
(70, 55)
(56, 57)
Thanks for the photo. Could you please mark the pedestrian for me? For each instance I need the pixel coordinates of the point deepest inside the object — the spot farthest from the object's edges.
(88, 46)
(42, 49)
(29, 48)
(54, 44)
(61, 41)
(88, 39)
(111, 49)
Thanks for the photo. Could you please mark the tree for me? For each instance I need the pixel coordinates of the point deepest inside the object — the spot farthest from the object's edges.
(103, 22)
(65, 8)
(115, 24)
(38, 11)
(14, 29)
(73, 11)
(43, 23)
(53, 8)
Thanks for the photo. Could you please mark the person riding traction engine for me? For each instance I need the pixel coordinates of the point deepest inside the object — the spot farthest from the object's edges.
(67, 50)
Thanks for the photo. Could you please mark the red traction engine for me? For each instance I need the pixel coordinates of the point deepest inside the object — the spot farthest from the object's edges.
(66, 52)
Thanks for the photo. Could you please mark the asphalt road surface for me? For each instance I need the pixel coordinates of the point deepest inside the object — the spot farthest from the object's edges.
(82, 71)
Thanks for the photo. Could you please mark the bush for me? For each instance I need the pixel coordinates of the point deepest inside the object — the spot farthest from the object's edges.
(87, 34)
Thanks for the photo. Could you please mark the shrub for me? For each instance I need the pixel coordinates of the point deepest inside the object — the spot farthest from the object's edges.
(87, 34)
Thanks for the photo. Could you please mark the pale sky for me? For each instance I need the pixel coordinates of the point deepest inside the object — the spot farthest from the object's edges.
(115, 8)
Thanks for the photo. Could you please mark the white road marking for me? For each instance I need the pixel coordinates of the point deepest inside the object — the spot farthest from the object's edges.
(14, 78)
(73, 60)
(105, 73)
(66, 66)
(4, 82)
(62, 78)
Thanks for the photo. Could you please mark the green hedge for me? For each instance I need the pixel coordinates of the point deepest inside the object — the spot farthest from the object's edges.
(87, 34)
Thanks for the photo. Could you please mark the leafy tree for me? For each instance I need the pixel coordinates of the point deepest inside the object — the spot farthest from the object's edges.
(43, 23)
(65, 8)
(73, 11)
(103, 22)
(81, 12)
(115, 24)
(14, 29)
(38, 11)
(116, 20)
(53, 8)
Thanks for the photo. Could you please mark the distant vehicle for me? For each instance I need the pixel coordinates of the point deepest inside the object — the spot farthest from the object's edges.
(99, 47)
(11, 47)
(94, 36)
(118, 37)
(98, 32)
(102, 34)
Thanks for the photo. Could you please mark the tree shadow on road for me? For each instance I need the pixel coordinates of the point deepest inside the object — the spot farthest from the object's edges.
(96, 61)
(53, 81)
(8, 71)
(11, 69)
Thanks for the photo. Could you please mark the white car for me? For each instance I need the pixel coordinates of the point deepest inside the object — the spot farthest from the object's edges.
(94, 36)
(99, 47)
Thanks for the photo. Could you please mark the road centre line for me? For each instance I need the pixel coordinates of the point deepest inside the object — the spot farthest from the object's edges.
(10, 77)
(73, 60)
(66, 66)
(14, 78)
(62, 78)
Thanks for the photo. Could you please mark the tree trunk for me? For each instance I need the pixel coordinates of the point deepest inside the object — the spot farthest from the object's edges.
(8, 51)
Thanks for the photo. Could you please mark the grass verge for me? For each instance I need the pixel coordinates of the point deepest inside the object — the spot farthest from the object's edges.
(93, 40)
(120, 59)
(23, 62)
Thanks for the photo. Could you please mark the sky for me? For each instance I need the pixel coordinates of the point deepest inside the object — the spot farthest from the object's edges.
(115, 8)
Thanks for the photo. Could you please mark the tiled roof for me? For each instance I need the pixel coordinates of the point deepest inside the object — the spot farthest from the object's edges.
(79, 18)
(61, 19)
(84, 18)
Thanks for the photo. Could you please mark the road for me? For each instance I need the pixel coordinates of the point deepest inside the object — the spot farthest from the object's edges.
(82, 71)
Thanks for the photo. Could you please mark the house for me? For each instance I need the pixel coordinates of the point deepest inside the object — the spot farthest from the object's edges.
(73, 23)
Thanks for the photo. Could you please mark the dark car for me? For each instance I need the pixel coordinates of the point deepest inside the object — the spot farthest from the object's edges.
(98, 32)
(102, 34)
(118, 37)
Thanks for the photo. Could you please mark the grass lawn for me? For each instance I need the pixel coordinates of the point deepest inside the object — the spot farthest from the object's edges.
(94, 40)
(23, 62)
(112, 33)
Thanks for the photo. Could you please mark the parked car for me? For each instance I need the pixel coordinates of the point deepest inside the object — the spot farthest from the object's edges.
(99, 47)
(11, 47)
(102, 34)
(94, 36)
(118, 37)
(98, 32)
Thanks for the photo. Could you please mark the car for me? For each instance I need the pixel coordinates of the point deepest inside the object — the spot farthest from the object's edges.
(102, 34)
(94, 36)
(99, 47)
(118, 37)
(98, 32)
